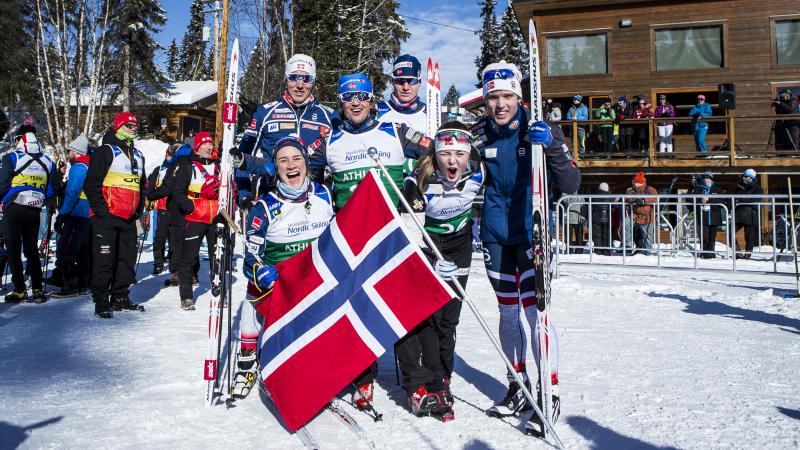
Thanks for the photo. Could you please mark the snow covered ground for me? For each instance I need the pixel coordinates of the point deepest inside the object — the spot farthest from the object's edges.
(650, 359)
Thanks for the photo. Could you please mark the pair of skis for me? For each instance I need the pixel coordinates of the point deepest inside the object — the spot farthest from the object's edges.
(222, 265)
(433, 99)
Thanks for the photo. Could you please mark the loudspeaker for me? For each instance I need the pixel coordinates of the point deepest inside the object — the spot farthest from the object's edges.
(727, 95)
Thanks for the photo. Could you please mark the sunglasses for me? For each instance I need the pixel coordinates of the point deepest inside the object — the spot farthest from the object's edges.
(502, 74)
(402, 81)
(348, 97)
(298, 77)
(449, 136)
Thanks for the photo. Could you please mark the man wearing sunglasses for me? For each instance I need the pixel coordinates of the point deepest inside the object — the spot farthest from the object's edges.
(404, 106)
(297, 112)
(504, 139)
(114, 186)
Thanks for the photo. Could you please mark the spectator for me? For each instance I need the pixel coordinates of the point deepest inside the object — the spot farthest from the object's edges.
(577, 214)
(787, 132)
(606, 112)
(579, 112)
(623, 111)
(601, 215)
(639, 228)
(699, 127)
(664, 109)
(552, 110)
(709, 216)
(189, 139)
(643, 110)
(747, 212)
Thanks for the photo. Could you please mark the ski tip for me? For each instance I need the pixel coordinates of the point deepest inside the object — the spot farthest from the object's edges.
(436, 80)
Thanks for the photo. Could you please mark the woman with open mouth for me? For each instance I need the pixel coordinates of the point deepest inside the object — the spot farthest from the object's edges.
(444, 185)
(287, 219)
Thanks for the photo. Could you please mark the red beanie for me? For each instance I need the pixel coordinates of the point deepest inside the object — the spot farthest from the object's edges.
(201, 138)
(123, 118)
(639, 178)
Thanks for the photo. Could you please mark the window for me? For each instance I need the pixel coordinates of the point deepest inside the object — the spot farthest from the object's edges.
(787, 41)
(584, 54)
(689, 48)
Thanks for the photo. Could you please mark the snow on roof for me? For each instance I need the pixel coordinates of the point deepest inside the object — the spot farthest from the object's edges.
(466, 100)
(178, 93)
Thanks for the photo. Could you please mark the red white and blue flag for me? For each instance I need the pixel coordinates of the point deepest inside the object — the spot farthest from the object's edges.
(340, 303)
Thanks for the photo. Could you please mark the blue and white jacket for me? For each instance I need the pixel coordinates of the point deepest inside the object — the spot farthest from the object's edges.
(75, 202)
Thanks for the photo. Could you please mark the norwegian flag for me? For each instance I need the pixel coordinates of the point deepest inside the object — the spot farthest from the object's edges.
(340, 303)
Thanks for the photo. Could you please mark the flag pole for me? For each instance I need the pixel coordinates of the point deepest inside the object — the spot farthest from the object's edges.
(373, 153)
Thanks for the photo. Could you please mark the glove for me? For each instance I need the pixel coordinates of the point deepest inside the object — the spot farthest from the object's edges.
(266, 276)
(246, 203)
(445, 269)
(59, 225)
(539, 133)
(238, 156)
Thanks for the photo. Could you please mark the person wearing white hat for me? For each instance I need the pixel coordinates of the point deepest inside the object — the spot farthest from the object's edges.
(746, 212)
(504, 139)
(297, 112)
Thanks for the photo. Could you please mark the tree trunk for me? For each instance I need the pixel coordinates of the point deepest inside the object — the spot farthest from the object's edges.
(126, 78)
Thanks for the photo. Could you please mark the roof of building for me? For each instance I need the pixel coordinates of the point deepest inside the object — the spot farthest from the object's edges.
(178, 93)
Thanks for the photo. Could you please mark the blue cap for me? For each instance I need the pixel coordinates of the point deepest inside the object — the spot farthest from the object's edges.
(750, 173)
(406, 66)
(292, 140)
(577, 97)
(355, 82)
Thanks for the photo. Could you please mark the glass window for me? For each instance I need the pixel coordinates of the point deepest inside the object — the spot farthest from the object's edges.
(787, 41)
(689, 48)
(577, 55)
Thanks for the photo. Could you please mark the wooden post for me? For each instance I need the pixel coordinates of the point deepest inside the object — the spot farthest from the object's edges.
(763, 179)
(652, 149)
(222, 78)
(575, 145)
(731, 141)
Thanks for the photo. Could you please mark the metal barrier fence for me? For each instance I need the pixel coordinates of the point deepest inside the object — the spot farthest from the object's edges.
(685, 234)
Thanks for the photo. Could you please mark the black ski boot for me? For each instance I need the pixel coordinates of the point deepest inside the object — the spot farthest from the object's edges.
(514, 402)
(174, 281)
(38, 296)
(124, 303)
(70, 289)
(158, 268)
(17, 297)
(102, 307)
(534, 425)
(187, 304)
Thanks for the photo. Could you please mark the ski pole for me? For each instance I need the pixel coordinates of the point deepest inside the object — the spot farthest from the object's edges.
(47, 247)
(373, 153)
(794, 237)
(141, 244)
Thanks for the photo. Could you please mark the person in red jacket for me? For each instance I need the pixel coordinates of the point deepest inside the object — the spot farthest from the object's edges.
(196, 188)
(114, 184)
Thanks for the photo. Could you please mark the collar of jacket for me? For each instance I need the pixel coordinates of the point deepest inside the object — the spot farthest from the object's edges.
(366, 125)
(201, 160)
(291, 102)
(513, 125)
(409, 107)
(83, 159)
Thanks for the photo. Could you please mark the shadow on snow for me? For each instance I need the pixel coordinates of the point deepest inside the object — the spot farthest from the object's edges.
(601, 437)
(12, 436)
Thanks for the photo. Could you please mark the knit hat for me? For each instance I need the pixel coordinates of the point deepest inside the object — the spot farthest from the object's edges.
(27, 126)
(604, 187)
(707, 174)
(501, 76)
(301, 62)
(28, 143)
(355, 82)
(750, 173)
(123, 118)
(406, 66)
(701, 97)
(292, 140)
(80, 145)
(623, 99)
(201, 138)
(639, 178)
(577, 97)
(662, 97)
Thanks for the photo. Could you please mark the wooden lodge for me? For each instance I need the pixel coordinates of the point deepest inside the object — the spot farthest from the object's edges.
(604, 49)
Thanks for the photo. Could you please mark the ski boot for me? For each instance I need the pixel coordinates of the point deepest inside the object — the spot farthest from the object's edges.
(124, 303)
(513, 403)
(187, 305)
(447, 394)
(102, 307)
(17, 297)
(158, 268)
(534, 426)
(246, 377)
(38, 296)
(70, 289)
(174, 281)
(424, 403)
(362, 398)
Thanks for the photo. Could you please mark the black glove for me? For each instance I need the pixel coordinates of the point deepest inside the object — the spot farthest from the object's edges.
(246, 203)
(59, 225)
(238, 156)
(696, 115)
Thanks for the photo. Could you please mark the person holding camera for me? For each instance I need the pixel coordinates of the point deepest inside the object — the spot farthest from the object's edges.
(639, 228)
(700, 128)
(606, 112)
(787, 132)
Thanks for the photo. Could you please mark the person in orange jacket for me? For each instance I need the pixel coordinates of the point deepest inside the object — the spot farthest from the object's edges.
(196, 188)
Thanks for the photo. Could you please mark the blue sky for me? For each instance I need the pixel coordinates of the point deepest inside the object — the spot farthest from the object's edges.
(454, 49)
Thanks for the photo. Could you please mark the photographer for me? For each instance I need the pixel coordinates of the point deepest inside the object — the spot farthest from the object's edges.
(639, 227)
(787, 132)
(605, 112)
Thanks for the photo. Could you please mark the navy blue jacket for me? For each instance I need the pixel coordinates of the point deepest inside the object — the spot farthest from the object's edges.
(506, 154)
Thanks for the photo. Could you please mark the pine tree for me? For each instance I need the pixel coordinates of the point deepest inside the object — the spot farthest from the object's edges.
(133, 48)
(18, 65)
(490, 37)
(172, 61)
(451, 99)
(513, 46)
(192, 58)
(253, 83)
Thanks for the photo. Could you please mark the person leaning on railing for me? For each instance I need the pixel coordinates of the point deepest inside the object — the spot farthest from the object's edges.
(709, 216)
(605, 112)
(747, 212)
